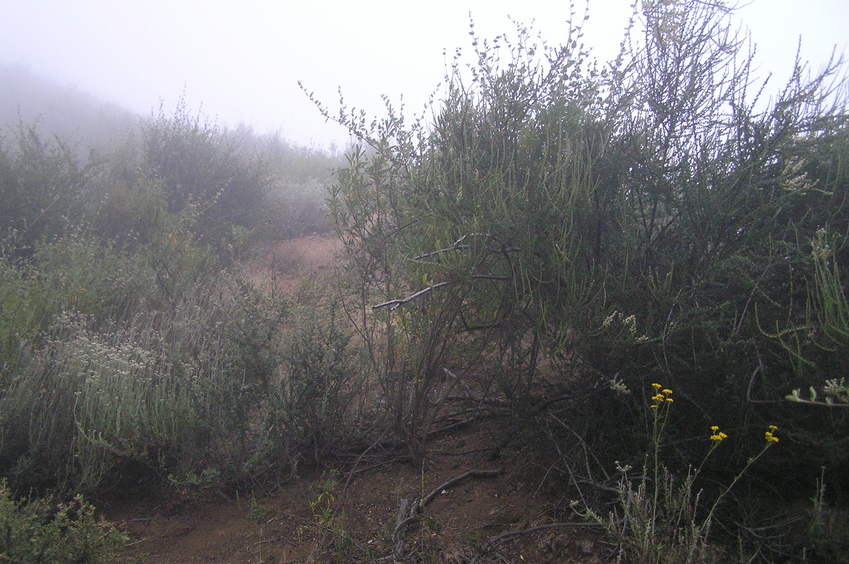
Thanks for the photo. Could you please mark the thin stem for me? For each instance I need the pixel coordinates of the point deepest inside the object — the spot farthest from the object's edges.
(734, 481)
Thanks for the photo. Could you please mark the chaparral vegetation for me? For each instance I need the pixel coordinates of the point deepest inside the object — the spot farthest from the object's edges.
(557, 237)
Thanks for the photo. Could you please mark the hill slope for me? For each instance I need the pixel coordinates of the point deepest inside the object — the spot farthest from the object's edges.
(72, 114)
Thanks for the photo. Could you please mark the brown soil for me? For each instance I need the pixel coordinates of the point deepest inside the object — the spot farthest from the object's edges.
(285, 265)
(459, 525)
(315, 518)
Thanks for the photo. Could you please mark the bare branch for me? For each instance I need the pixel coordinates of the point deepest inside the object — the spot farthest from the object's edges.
(395, 304)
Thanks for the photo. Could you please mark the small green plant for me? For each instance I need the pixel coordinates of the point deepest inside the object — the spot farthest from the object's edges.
(828, 534)
(195, 484)
(41, 530)
(834, 391)
(433, 524)
(260, 513)
(327, 524)
(322, 509)
(662, 519)
(322, 506)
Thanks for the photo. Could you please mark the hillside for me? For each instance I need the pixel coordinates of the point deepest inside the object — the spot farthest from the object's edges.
(63, 110)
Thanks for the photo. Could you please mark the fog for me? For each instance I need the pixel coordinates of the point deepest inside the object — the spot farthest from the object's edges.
(240, 62)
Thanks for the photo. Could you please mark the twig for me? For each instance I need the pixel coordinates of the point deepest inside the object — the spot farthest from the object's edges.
(412, 511)
(440, 251)
(455, 247)
(817, 403)
(530, 530)
(398, 303)
(398, 535)
(454, 481)
(359, 459)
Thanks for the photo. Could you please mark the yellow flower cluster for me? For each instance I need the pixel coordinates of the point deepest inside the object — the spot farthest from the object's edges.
(770, 437)
(661, 395)
(717, 435)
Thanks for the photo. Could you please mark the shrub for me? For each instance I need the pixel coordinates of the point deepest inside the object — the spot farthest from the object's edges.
(550, 197)
(298, 192)
(154, 359)
(41, 531)
(88, 401)
(198, 165)
(300, 209)
(42, 186)
(310, 411)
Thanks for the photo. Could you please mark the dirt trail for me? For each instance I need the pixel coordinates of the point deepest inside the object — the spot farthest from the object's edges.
(290, 527)
(284, 265)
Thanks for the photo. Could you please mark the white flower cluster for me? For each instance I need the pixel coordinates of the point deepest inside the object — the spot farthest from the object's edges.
(837, 389)
(618, 386)
(629, 323)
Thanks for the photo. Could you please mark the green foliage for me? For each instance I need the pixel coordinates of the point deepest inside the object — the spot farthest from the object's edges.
(82, 273)
(300, 181)
(89, 400)
(201, 167)
(41, 531)
(328, 524)
(148, 356)
(300, 208)
(195, 484)
(21, 316)
(549, 194)
(152, 358)
(73, 272)
(828, 532)
(41, 189)
(825, 334)
(406, 348)
(310, 397)
(125, 348)
(662, 518)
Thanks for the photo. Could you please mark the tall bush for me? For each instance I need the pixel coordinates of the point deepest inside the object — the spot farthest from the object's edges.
(42, 188)
(629, 219)
(199, 165)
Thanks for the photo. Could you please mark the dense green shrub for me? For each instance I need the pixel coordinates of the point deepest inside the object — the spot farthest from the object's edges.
(648, 218)
(42, 186)
(309, 413)
(73, 272)
(197, 164)
(41, 531)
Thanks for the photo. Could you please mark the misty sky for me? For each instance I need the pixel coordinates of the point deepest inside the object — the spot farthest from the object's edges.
(241, 60)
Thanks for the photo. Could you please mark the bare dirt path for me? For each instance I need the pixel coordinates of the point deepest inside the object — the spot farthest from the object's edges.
(300, 523)
(286, 264)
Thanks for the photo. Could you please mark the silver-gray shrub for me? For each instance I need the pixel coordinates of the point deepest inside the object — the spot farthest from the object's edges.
(88, 399)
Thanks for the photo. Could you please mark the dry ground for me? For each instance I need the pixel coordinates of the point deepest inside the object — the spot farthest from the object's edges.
(457, 526)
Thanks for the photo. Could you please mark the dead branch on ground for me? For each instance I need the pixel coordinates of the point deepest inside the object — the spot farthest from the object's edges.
(409, 512)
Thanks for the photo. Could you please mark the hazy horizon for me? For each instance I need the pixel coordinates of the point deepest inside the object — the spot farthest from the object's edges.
(240, 63)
